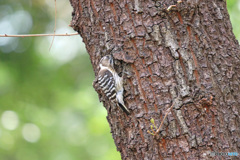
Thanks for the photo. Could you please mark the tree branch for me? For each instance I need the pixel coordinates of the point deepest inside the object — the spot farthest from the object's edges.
(39, 35)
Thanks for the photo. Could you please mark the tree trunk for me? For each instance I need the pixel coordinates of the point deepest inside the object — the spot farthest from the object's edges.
(183, 55)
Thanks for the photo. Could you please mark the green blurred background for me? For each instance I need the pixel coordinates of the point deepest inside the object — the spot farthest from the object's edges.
(48, 107)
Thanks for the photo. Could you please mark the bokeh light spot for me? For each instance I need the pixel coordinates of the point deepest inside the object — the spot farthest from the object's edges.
(31, 132)
(10, 120)
(6, 28)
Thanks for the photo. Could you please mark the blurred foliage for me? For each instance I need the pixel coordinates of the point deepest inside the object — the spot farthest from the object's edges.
(48, 107)
(234, 12)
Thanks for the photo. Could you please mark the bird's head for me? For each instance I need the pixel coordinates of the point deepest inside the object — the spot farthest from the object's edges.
(106, 61)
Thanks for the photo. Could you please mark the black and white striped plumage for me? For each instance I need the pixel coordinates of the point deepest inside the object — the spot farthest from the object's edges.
(110, 83)
(107, 83)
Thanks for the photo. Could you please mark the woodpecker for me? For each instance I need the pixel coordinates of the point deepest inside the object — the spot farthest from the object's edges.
(110, 83)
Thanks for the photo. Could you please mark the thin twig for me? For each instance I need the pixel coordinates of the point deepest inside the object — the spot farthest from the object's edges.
(39, 35)
(54, 31)
(169, 109)
(170, 7)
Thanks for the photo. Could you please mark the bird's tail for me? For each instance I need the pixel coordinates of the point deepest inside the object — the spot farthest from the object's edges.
(120, 102)
(124, 108)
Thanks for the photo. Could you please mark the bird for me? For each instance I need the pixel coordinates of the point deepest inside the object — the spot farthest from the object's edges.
(110, 83)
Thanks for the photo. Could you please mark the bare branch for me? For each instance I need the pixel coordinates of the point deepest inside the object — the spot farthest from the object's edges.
(168, 110)
(39, 35)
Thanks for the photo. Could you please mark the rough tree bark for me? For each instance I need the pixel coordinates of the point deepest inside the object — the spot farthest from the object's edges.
(186, 55)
